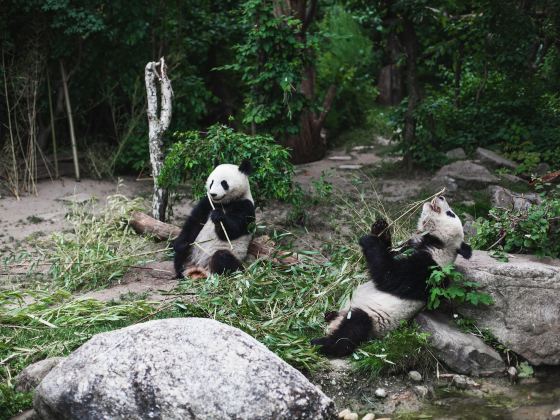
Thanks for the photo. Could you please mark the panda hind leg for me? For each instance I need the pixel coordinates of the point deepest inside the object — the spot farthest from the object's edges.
(347, 336)
(224, 262)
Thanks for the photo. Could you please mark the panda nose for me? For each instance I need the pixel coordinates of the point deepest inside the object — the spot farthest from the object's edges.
(213, 194)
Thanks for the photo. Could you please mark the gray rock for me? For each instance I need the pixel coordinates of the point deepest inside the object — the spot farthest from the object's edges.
(493, 159)
(380, 393)
(29, 378)
(456, 154)
(422, 391)
(363, 148)
(466, 174)
(415, 376)
(461, 352)
(469, 228)
(463, 382)
(513, 179)
(449, 183)
(502, 197)
(180, 368)
(383, 141)
(525, 316)
(542, 169)
(512, 373)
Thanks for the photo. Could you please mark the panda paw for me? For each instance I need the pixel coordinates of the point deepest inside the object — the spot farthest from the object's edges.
(217, 216)
(378, 227)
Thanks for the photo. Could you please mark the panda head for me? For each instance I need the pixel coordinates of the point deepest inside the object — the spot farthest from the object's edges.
(229, 182)
(439, 220)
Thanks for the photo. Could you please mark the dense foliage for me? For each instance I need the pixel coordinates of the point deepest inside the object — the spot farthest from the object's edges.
(195, 155)
(534, 230)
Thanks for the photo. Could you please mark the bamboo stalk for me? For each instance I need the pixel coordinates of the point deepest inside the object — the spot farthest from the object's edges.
(70, 122)
(16, 185)
(221, 223)
(53, 132)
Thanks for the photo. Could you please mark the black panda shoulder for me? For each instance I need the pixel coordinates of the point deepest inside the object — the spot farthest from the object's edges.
(243, 207)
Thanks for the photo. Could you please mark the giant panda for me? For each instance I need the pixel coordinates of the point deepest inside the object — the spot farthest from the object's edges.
(398, 289)
(202, 241)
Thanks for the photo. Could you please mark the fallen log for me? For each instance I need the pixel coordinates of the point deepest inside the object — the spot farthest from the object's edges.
(261, 247)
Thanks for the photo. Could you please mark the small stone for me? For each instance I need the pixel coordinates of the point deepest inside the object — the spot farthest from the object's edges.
(555, 413)
(512, 373)
(351, 416)
(369, 416)
(383, 141)
(80, 198)
(415, 376)
(463, 382)
(344, 413)
(350, 167)
(422, 391)
(542, 169)
(456, 154)
(380, 393)
(340, 158)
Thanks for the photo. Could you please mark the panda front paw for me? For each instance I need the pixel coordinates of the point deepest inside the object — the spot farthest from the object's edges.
(217, 216)
(379, 227)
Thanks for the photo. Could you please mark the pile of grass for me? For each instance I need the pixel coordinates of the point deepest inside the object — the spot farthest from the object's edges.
(96, 252)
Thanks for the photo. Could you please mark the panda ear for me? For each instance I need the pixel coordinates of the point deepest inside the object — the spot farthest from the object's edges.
(465, 251)
(246, 167)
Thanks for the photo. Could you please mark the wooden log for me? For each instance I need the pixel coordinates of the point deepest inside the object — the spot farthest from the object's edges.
(261, 247)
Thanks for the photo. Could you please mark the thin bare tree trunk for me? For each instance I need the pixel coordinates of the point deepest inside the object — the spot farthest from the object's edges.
(70, 122)
(158, 124)
(53, 132)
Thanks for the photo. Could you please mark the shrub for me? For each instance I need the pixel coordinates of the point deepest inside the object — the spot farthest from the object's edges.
(194, 155)
(531, 231)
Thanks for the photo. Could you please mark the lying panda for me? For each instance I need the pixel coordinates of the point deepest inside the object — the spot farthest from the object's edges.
(398, 288)
(202, 241)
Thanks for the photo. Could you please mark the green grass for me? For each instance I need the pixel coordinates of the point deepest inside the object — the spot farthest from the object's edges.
(401, 350)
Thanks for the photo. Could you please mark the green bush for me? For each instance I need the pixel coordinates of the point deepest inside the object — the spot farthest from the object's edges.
(193, 157)
(531, 231)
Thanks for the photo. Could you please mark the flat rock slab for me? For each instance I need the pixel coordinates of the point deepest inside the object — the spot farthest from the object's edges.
(340, 158)
(491, 158)
(502, 197)
(456, 154)
(461, 352)
(181, 368)
(525, 316)
(467, 174)
(350, 167)
(80, 198)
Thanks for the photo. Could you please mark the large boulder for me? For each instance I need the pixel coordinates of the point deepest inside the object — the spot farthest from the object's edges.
(525, 316)
(467, 174)
(182, 368)
(461, 352)
(502, 197)
(493, 159)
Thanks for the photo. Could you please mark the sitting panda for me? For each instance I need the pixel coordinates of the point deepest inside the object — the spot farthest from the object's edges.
(202, 241)
(398, 287)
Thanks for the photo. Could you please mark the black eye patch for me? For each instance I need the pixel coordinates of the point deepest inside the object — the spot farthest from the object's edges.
(225, 185)
(450, 213)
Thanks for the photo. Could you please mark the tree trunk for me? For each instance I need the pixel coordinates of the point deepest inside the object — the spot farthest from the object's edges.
(158, 124)
(410, 43)
(310, 143)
